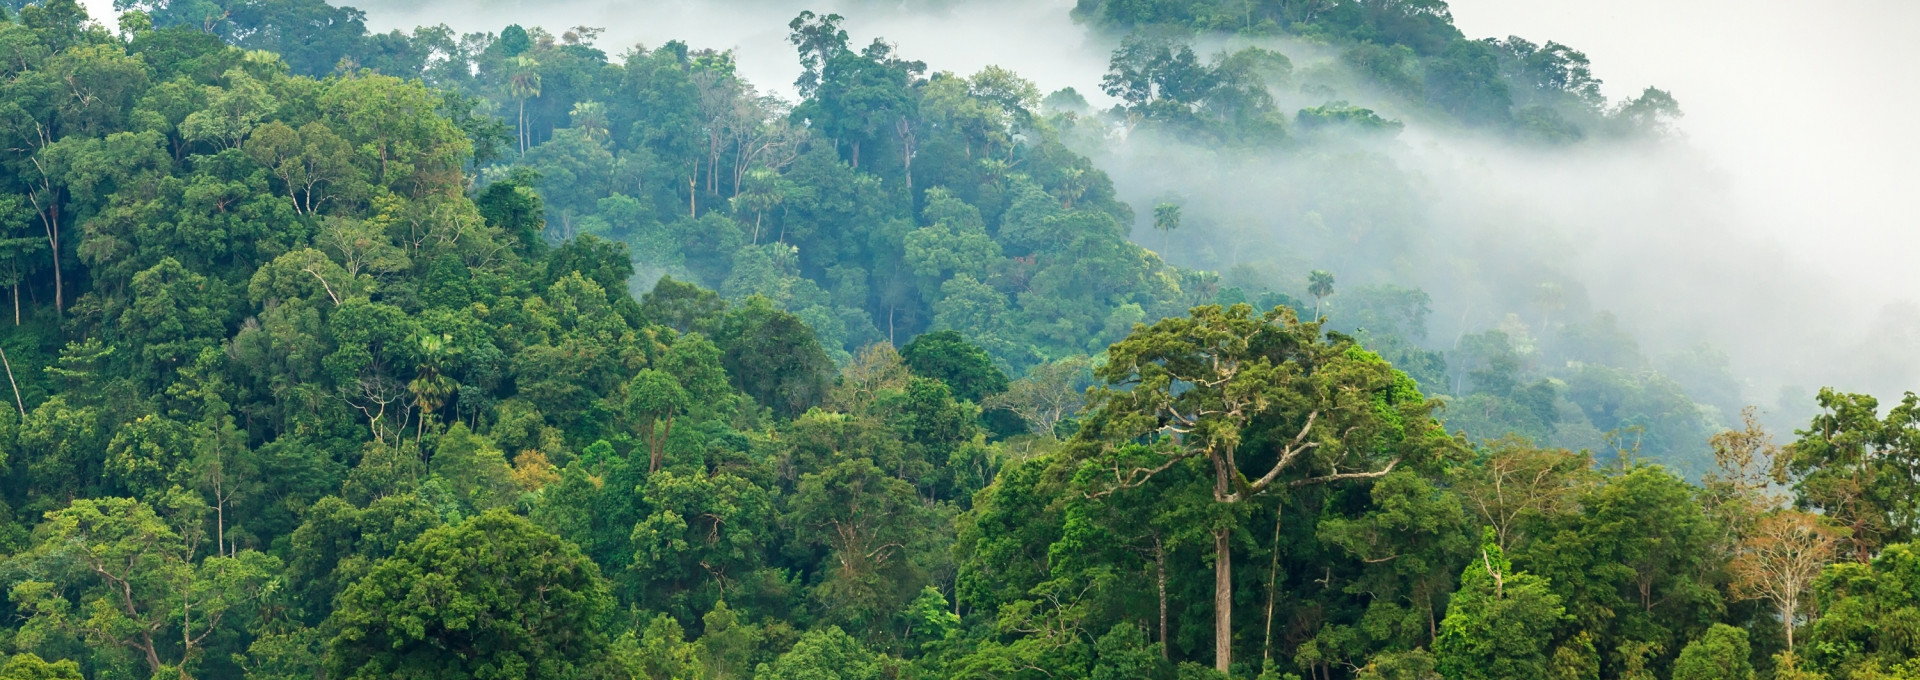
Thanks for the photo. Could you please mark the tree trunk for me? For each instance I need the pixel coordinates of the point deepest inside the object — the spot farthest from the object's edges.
(1160, 575)
(905, 128)
(153, 656)
(16, 386)
(1273, 578)
(657, 434)
(53, 246)
(1222, 600)
(1786, 620)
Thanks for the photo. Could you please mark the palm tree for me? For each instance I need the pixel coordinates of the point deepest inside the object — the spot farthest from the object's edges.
(590, 117)
(523, 84)
(765, 190)
(1320, 285)
(430, 389)
(1551, 298)
(1166, 218)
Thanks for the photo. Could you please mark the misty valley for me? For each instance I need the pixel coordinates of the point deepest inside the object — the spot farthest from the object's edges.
(1292, 340)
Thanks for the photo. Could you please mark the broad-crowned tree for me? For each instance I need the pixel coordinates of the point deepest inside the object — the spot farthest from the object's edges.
(124, 578)
(1856, 467)
(1230, 389)
(494, 596)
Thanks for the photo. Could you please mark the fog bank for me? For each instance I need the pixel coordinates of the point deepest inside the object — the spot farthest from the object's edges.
(1034, 36)
(1772, 230)
(1776, 229)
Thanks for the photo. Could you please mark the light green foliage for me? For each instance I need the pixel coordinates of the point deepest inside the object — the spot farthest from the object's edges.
(1414, 665)
(660, 651)
(117, 572)
(1498, 624)
(1575, 659)
(1867, 627)
(1721, 654)
(30, 667)
(824, 654)
(1844, 464)
(474, 470)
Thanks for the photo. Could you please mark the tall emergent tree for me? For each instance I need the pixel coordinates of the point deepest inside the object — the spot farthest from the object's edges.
(1857, 468)
(1320, 286)
(1230, 391)
(1166, 218)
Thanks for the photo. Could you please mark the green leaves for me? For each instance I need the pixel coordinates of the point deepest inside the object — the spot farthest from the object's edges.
(825, 654)
(494, 597)
(1721, 654)
(120, 572)
(1867, 623)
(1854, 465)
(1498, 624)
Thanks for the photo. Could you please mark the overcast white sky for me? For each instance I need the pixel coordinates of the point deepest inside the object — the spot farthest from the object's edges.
(1808, 107)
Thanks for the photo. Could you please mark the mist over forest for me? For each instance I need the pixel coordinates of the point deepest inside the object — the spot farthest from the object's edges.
(1202, 339)
(1709, 274)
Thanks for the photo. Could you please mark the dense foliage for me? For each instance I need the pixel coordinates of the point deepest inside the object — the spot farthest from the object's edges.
(336, 363)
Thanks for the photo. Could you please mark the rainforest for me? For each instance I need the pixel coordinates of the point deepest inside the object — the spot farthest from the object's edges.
(1278, 344)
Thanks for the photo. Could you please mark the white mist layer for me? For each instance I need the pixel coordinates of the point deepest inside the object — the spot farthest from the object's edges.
(1804, 112)
(1779, 231)
(1733, 238)
(1035, 36)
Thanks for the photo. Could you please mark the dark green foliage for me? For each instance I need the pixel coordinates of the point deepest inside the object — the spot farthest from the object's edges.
(1411, 48)
(513, 207)
(948, 357)
(322, 378)
(773, 357)
(1853, 465)
(494, 596)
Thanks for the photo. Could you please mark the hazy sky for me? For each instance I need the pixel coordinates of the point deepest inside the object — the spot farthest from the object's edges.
(1806, 106)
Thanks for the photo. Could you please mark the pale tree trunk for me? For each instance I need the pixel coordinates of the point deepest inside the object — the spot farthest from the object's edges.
(22, 405)
(1160, 576)
(1223, 567)
(1273, 578)
(50, 218)
(1222, 600)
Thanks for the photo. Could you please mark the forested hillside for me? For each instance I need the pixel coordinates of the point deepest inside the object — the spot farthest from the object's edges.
(346, 355)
